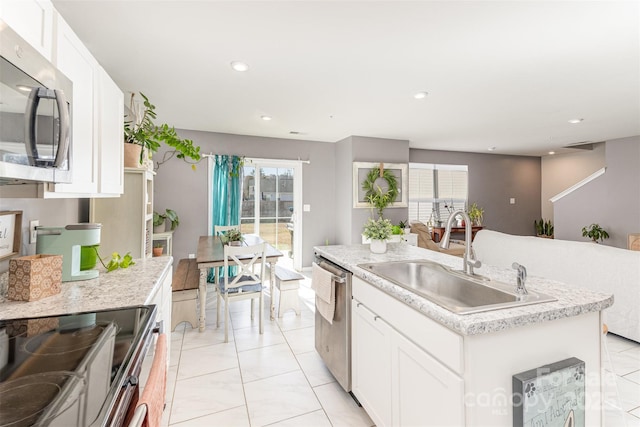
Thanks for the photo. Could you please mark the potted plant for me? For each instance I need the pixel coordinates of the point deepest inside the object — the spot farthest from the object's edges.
(544, 228)
(595, 233)
(378, 232)
(475, 214)
(160, 219)
(232, 237)
(143, 136)
(158, 249)
(405, 226)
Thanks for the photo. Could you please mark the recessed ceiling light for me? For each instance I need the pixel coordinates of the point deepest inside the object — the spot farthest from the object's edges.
(491, 148)
(552, 153)
(239, 66)
(421, 95)
(575, 121)
(265, 118)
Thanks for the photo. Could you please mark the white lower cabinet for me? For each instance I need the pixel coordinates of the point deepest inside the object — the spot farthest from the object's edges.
(409, 370)
(425, 392)
(162, 300)
(397, 382)
(371, 337)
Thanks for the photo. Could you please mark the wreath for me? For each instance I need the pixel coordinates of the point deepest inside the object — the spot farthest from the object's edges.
(374, 194)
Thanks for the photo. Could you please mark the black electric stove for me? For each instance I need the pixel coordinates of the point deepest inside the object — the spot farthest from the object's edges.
(72, 370)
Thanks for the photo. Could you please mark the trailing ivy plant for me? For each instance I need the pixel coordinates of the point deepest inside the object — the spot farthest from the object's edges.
(141, 130)
(116, 261)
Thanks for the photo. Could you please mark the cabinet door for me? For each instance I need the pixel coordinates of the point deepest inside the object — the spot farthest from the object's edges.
(425, 392)
(110, 135)
(32, 20)
(371, 363)
(162, 300)
(77, 63)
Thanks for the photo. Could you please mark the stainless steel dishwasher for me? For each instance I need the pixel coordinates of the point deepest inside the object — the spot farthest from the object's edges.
(333, 341)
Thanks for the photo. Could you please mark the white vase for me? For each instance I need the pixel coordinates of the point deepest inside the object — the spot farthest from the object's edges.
(378, 246)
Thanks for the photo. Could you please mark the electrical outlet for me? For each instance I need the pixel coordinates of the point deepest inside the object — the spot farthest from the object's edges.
(192, 256)
(33, 233)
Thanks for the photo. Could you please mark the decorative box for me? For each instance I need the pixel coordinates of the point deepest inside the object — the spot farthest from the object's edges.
(34, 277)
(31, 327)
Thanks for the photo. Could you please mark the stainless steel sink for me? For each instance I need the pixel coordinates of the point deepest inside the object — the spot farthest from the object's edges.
(453, 290)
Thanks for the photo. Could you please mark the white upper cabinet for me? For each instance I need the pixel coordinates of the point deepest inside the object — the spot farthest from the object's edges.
(110, 136)
(32, 20)
(97, 122)
(74, 60)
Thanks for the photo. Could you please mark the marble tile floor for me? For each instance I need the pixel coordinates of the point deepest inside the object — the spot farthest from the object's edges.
(278, 379)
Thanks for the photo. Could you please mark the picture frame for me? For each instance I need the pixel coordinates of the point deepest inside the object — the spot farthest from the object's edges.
(557, 389)
(633, 242)
(10, 233)
(360, 171)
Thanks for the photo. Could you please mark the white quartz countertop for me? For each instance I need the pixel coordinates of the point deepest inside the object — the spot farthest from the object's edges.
(132, 286)
(571, 300)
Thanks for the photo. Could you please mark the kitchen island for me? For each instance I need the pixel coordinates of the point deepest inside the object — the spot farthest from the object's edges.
(416, 363)
(148, 281)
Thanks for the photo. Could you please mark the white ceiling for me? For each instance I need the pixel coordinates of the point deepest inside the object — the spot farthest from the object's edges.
(504, 74)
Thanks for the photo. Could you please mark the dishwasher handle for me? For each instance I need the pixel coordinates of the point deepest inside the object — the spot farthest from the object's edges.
(335, 277)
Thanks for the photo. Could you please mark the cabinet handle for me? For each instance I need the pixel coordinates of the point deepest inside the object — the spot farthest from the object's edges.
(375, 318)
(358, 305)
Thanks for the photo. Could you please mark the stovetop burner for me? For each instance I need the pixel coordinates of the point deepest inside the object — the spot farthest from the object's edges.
(65, 370)
(66, 342)
(26, 400)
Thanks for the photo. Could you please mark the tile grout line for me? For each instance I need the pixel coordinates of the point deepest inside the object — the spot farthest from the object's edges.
(303, 373)
(244, 391)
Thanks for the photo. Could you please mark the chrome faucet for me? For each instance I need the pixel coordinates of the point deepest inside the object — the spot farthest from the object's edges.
(468, 260)
(522, 277)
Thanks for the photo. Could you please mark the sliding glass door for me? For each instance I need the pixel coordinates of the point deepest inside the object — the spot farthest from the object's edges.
(270, 206)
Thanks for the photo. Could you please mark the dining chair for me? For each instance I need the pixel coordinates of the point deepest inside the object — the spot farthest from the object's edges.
(244, 285)
(219, 230)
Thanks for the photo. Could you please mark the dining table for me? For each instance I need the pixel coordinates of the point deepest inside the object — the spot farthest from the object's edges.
(211, 255)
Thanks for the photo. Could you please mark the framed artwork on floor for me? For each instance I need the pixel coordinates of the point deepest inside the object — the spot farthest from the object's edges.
(551, 395)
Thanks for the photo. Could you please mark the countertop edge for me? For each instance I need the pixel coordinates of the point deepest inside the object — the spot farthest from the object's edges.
(135, 285)
(479, 323)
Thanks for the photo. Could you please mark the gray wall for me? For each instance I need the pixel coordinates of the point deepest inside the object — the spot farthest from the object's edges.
(177, 187)
(376, 150)
(493, 180)
(344, 192)
(50, 212)
(561, 171)
(611, 200)
(363, 149)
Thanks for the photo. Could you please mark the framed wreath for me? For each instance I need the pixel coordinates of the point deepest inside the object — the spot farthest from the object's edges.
(377, 196)
(379, 185)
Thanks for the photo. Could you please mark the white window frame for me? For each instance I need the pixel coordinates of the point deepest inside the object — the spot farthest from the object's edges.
(436, 200)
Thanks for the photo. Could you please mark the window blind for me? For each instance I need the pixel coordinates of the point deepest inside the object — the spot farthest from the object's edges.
(436, 190)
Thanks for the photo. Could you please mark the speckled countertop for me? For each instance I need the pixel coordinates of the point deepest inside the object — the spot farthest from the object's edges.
(121, 288)
(571, 300)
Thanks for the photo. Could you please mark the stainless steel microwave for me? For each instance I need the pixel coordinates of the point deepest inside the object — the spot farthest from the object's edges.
(35, 115)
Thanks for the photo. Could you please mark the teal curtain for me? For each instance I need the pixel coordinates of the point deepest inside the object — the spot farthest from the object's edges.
(227, 196)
